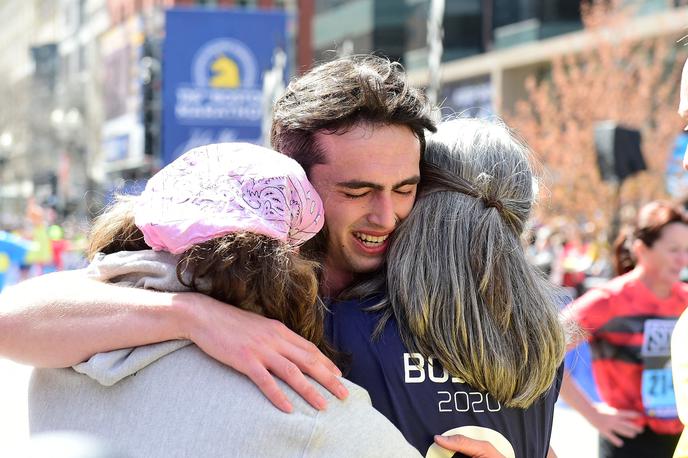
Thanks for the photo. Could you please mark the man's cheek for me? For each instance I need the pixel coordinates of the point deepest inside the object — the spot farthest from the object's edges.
(406, 210)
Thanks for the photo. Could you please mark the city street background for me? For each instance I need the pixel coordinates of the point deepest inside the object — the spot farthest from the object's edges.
(98, 95)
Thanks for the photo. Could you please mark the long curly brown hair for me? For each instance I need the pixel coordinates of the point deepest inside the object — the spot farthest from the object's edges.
(253, 272)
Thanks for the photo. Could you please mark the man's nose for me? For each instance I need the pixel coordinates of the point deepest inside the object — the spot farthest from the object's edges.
(382, 214)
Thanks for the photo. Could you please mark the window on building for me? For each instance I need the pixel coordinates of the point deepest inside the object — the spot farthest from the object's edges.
(462, 29)
(505, 12)
(324, 5)
(560, 10)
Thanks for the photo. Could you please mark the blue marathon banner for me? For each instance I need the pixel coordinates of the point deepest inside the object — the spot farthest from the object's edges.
(213, 66)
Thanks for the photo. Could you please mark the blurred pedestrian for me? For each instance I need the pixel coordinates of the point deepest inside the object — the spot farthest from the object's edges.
(575, 260)
(628, 322)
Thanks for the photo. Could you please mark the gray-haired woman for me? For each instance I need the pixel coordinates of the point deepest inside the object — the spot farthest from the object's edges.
(462, 335)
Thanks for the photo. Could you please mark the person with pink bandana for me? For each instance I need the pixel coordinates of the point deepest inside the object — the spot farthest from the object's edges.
(225, 220)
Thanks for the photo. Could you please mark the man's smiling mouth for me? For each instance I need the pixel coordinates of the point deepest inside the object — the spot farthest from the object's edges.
(371, 241)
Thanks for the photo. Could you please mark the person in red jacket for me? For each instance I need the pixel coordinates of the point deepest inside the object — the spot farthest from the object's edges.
(628, 322)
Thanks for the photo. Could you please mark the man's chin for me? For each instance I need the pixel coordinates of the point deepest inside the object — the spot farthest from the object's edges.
(366, 266)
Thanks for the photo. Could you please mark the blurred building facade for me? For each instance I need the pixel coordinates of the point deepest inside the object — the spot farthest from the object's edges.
(28, 25)
(81, 106)
(52, 122)
(490, 46)
(81, 111)
(495, 79)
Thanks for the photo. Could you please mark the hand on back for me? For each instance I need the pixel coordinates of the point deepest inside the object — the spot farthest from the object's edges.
(263, 349)
(473, 448)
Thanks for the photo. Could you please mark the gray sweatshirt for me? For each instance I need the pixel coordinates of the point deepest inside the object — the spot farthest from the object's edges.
(172, 400)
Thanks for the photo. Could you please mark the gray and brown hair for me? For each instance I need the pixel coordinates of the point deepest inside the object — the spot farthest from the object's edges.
(338, 95)
(251, 271)
(458, 282)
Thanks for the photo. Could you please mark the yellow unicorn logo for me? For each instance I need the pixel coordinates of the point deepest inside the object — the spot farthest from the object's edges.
(226, 73)
(4, 262)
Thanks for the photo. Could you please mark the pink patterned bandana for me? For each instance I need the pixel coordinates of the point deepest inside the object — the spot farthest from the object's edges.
(218, 189)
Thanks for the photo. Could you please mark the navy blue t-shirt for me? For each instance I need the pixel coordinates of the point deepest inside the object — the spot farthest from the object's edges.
(423, 400)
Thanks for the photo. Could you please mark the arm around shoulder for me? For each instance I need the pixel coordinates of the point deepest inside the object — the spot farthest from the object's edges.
(63, 318)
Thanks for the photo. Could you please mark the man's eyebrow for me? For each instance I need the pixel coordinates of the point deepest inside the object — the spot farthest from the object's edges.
(358, 184)
(409, 181)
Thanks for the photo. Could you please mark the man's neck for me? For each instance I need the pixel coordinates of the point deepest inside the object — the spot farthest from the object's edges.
(334, 280)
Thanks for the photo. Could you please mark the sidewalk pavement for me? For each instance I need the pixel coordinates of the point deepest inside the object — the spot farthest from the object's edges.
(572, 435)
(14, 419)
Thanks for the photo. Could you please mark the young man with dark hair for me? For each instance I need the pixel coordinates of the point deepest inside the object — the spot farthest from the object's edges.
(358, 129)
